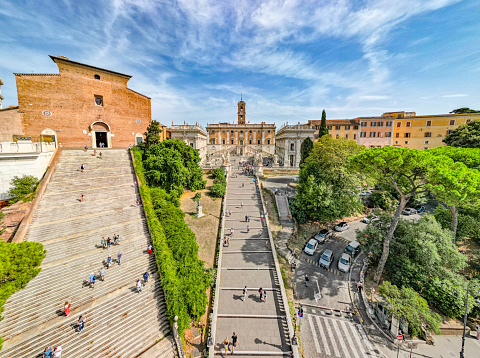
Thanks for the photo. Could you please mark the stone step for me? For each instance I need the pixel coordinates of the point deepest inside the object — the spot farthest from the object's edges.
(104, 323)
(71, 233)
(52, 213)
(63, 177)
(92, 194)
(40, 304)
(81, 224)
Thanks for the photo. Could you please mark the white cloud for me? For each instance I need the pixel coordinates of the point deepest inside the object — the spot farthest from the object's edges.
(454, 95)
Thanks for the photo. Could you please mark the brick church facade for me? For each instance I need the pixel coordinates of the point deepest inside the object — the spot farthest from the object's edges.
(81, 105)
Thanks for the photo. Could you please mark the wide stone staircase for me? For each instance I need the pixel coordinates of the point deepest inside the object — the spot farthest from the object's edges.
(120, 322)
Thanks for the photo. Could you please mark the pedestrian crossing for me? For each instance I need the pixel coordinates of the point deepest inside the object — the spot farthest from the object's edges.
(337, 338)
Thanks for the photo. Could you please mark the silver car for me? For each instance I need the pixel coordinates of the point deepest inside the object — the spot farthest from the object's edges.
(326, 259)
(344, 263)
(409, 211)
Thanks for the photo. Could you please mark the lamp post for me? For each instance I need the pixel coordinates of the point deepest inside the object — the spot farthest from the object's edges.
(462, 355)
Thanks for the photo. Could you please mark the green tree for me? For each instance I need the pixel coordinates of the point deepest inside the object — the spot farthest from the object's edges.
(326, 189)
(454, 183)
(323, 126)
(465, 136)
(400, 168)
(173, 166)
(464, 110)
(152, 135)
(408, 305)
(305, 149)
(419, 251)
(22, 187)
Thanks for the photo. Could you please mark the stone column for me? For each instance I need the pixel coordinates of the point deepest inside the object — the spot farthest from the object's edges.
(297, 152)
(286, 159)
(228, 137)
(219, 137)
(255, 137)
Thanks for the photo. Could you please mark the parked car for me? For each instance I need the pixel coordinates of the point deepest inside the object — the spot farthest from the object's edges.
(409, 211)
(342, 226)
(311, 247)
(353, 248)
(326, 259)
(420, 209)
(322, 235)
(344, 263)
(370, 219)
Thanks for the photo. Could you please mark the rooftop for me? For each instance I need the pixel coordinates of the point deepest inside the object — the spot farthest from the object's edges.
(65, 59)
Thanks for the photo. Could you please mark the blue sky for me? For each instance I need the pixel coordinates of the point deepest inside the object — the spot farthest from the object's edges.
(289, 58)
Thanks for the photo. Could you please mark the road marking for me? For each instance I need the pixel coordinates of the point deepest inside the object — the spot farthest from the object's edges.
(358, 340)
(367, 341)
(340, 338)
(312, 328)
(322, 333)
(349, 339)
(332, 340)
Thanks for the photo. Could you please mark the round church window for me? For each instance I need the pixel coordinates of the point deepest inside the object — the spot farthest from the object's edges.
(84, 131)
(47, 113)
(139, 121)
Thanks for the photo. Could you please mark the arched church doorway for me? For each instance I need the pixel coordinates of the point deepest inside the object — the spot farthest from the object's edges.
(48, 138)
(100, 132)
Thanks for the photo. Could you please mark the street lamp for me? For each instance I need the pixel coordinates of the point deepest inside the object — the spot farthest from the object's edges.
(462, 355)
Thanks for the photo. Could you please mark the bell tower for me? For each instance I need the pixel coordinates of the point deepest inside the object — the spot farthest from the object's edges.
(241, 111)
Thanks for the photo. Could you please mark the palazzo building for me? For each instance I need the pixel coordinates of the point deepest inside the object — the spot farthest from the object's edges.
(242, 138)
(193, 135)
(81, 105)
(289, 140)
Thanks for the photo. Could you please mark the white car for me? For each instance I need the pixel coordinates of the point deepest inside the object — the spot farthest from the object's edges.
(344, 262)
(342, 226)
(370, 219)
(409, 211)
(311, 247)
(326, 259)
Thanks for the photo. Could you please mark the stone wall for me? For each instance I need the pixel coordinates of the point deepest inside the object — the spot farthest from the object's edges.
(19, 164)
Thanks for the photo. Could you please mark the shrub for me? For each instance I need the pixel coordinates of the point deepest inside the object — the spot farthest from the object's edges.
(197, 196)
(297, 212)
(218, 190)
(22, 187)
(219, 173)
(19, 263)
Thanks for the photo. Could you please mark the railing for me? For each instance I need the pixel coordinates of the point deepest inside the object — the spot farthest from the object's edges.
(26, 147)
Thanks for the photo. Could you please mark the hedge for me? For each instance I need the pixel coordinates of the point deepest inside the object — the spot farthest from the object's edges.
(182, 275)
(163, 254)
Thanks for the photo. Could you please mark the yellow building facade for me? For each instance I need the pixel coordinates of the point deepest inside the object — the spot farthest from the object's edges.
(424, 132)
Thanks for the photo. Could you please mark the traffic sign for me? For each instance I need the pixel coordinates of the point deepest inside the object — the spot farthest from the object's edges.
(300, 314)
(400, 337)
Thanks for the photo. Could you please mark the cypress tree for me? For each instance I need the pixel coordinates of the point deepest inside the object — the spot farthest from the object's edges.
(323, 126)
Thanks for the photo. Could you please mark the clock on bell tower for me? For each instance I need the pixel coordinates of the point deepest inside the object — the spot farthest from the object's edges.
(241, 111)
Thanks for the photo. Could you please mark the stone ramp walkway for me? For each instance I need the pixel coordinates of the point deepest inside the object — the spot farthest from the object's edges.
(120, 321)
(262, 327)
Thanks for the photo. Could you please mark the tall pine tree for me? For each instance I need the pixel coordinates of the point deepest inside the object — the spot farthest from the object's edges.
(323, 126)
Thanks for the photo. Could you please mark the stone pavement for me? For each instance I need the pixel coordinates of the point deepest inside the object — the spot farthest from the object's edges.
(263, 328)
(70, 231)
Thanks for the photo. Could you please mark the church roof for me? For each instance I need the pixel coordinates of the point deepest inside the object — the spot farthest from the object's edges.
(64, 59)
